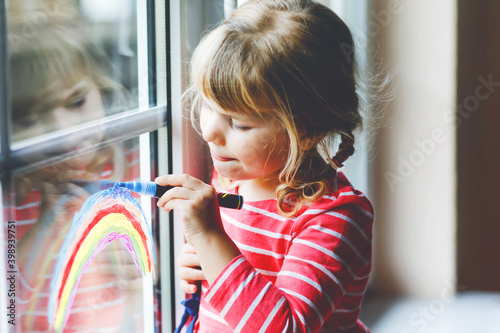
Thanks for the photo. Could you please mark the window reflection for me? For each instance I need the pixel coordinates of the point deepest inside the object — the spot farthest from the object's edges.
(109, 296)
(67, 68)
(70, 64)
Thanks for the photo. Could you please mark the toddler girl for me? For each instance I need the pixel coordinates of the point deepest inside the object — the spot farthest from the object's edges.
(271, 90)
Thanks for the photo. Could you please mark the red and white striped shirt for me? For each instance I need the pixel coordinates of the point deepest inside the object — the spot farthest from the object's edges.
(302, 274)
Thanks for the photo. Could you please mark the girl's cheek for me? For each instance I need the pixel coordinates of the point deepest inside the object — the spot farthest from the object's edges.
(250, 150)
(93, 108)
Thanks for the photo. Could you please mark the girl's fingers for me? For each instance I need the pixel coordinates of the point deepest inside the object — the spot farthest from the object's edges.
(188, 260)
(177, 193)
(188, 256)
(187, 200)
(188, 269)
(187, 287)
(183, 180)
(76, 190)
(195, 201)
(191, 274)
(187, 248)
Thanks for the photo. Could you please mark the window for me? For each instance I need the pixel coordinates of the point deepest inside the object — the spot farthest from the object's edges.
(355, 15)
(188, 21)
(83, 96)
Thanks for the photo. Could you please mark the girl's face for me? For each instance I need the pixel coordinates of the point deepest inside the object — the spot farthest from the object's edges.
(67, 107)
(62, 109)
(244, 147)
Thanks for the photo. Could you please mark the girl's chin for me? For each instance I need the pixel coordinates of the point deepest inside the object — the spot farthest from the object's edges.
(234, 174)
(228, 174)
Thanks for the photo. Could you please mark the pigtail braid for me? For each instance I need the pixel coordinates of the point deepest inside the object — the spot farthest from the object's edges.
(346, 149)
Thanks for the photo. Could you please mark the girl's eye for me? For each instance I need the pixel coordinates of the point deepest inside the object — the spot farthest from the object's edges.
(239, 127)
(234, 125)
(77, 103)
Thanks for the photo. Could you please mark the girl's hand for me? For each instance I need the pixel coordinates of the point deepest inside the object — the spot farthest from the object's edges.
(61, 199)
(189, 269)
(195, 201)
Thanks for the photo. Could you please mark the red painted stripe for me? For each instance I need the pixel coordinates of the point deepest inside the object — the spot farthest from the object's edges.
(117, 208)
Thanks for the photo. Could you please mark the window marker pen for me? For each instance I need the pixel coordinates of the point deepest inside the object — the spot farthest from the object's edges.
(152, 189)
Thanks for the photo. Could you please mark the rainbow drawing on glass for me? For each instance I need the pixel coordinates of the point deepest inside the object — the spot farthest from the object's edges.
(107, 215)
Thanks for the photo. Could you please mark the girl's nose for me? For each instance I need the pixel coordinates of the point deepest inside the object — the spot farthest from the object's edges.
(213, 129)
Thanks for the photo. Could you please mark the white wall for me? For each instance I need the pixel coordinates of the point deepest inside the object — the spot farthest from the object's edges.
(414, 177)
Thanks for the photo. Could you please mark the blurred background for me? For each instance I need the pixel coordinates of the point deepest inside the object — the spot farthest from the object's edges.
(433, 167)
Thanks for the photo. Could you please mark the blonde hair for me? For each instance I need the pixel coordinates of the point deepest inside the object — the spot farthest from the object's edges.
(287, 60)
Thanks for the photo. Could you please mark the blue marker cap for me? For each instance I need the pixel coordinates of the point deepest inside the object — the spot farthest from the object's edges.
(147, 188)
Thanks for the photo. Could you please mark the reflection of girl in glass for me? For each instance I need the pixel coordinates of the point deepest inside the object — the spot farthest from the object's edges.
(59, 80)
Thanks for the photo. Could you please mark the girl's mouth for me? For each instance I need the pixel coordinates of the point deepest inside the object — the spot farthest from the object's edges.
(220, 158)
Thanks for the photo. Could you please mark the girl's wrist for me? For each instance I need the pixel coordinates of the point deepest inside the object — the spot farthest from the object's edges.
(215, 250)
(210, 240)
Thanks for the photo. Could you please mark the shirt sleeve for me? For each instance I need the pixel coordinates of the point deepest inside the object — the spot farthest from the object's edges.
(330, 252)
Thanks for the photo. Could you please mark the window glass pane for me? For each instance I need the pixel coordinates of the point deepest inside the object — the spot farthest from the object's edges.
(42, 204)
(70, 62)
